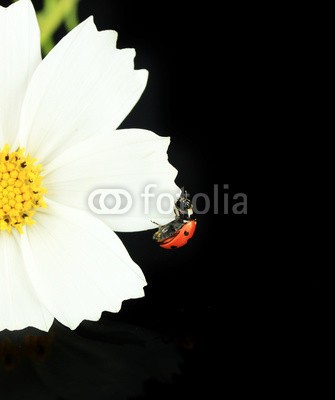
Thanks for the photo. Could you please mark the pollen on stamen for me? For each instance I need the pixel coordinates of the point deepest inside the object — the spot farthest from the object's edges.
(21, 191)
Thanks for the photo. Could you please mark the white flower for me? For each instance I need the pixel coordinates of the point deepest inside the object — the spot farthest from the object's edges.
(58, 260)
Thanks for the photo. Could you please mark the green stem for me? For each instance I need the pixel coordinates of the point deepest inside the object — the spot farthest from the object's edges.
(49, 5)
(72, 19)
(48, 45)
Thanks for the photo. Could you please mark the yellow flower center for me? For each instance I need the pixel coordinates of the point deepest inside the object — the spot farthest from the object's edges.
(21, 193)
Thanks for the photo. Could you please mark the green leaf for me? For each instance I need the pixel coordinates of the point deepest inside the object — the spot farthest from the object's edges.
(52, 16)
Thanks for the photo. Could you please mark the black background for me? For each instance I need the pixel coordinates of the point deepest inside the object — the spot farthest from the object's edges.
(208, 89)
(205, 66)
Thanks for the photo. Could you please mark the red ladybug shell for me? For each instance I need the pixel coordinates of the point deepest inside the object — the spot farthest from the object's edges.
(181, 237)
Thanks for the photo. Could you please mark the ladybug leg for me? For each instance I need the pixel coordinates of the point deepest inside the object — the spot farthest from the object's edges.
(176, 211)
(190, 211)
(156, 223)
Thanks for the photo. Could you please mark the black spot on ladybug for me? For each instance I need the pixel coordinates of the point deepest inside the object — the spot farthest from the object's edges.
(174, 247)
(186, 233)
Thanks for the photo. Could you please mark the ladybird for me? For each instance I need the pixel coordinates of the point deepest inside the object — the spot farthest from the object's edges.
(178, 232)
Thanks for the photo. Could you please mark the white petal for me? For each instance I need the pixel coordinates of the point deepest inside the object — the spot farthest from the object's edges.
(19, 56)
(128, 159)
(84, 85)
(19, 305)
(78, 265)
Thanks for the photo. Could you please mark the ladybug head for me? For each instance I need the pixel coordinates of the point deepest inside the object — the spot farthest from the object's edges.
(184, 205)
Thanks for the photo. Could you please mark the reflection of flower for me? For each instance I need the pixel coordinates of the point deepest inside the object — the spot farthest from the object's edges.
(107, 360)
(57, 260)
